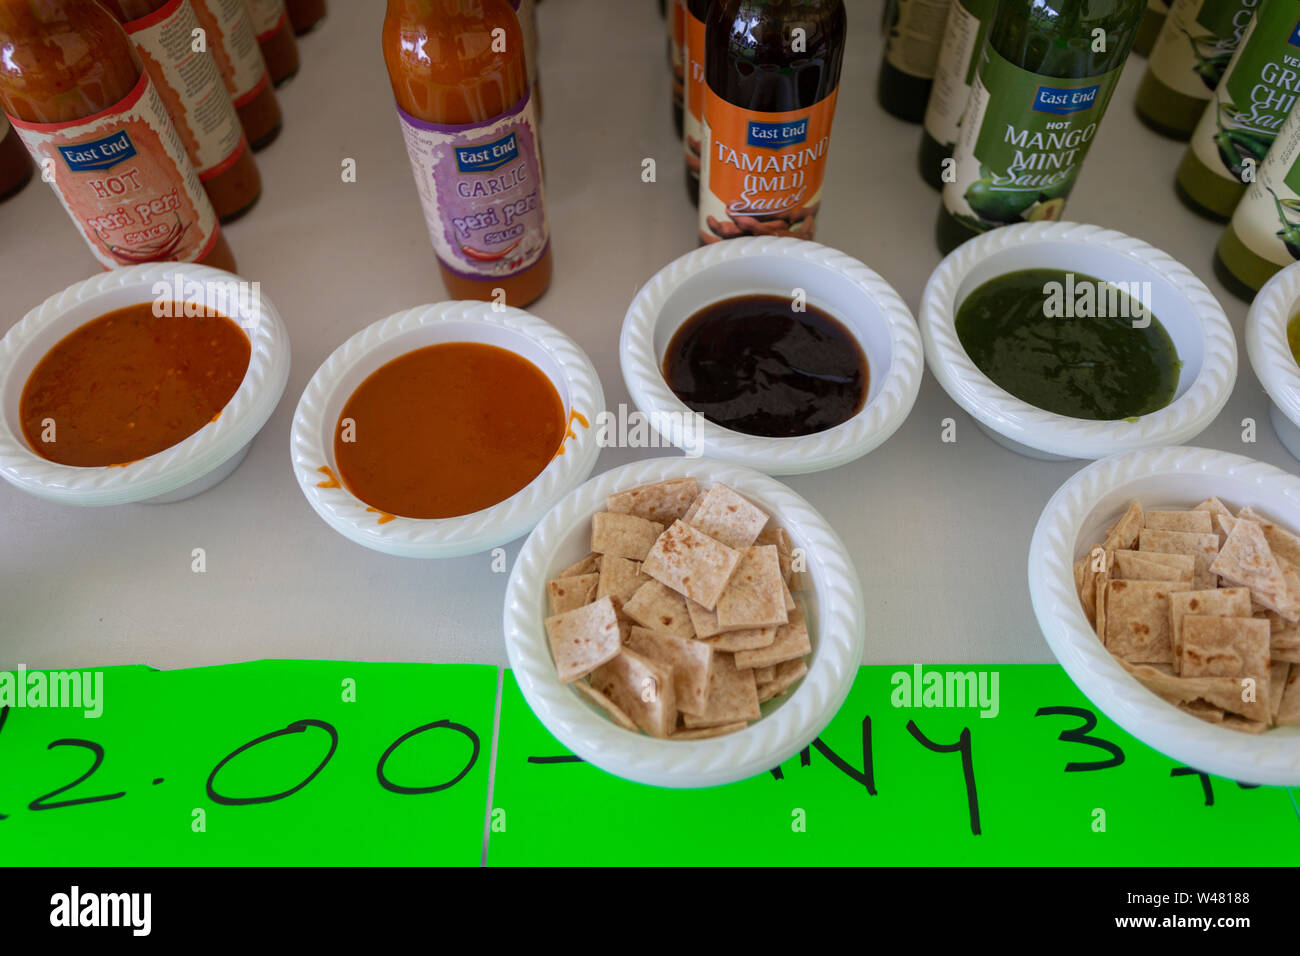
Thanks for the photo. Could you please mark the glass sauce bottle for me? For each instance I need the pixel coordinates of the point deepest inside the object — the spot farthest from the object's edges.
(15, 165)
(191, 87)
(274, 35)
(693, 115)
(912, 43)
(467, 117)
(772, 71)
(74, 88)
(1044, 82)
(230, 38)
(305, 14)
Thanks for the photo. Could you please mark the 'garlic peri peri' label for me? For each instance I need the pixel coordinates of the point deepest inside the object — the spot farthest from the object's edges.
(125, 180)
(481, 187)
(761, 173)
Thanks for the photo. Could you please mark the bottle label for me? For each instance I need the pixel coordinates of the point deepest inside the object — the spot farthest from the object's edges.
(692, 128)
(762, 173)
(123, 177)
(268, 16)
(190, 86)
(912, 44)
(1267, 220)
(481, 187)
(1023, 138)
(1255, 96)
(963, 37)
(234, 45)
(1196, 41)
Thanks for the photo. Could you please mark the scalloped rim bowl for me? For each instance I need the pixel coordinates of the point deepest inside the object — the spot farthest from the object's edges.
(1180, 301)
(317, 415)
(1270, 352)
(837, 625)
(185, 469)
(1075, 519)
(840, 285)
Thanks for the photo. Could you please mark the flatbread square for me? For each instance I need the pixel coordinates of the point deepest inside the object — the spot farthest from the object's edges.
(727, 517)
(1123, 534)
(763, 675)
(1136, 620)
(1214, 506)
(1153, 566)
(792, 641)
(1288, 711)
(642, 688)
(615, 712)
(1220, 602)
(659, 608)
(733, 695)
(691, 563)
(565, 594)
(1247, 560)
(624, 536)
(619, 577)
(1235, 647)
(661, 501)
(583, 639)
(755, 595)
(1283, 543)
(588, 565)
(690, 661)
(745, 639)
(1202, 547)
(1198, 522)
(787, 673)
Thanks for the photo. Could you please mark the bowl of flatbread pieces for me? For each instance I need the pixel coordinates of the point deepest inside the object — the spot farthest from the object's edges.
(1167, 583)
(684, 622)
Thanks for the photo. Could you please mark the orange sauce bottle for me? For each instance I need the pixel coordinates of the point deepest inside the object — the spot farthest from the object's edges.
(305, 14)
(74, 88)
(460, 78)
(229, 29)
(195, 94)
(274, 35)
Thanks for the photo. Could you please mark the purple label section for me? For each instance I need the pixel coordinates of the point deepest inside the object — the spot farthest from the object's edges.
(481, 187)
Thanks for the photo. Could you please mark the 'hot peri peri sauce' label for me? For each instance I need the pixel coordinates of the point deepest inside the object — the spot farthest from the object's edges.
(481, 187)
(1023, 138)
(761, 173)
(124, 178)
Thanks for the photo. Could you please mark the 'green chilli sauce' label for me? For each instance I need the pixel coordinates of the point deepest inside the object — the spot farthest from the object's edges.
(1255, 95)
(963, 37)
(1267, 220)
(1022, 141)
(1197, 42)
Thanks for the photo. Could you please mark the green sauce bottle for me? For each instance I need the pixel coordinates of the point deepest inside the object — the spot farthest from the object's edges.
(1188, 60)
(1264, 234)
(963, 39)
(1046, 75)
(1154, 19)
(915, 32)
(1243, 116)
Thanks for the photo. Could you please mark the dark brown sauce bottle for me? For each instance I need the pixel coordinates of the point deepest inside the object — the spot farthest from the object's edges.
(772, 69)
(754, 365)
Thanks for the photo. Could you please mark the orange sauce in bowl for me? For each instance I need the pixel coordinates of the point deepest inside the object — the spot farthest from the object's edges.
(447, 430)
(130, 384)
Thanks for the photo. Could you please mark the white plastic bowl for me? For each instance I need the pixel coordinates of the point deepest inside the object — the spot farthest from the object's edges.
(836, 618)
(317, 416)
(838, 284)
(1270, 353)
(181, 471)
(1178, 300)
(1075, 519)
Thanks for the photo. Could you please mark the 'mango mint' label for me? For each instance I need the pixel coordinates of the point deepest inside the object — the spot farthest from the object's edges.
(1255, 95)
(1023, 139)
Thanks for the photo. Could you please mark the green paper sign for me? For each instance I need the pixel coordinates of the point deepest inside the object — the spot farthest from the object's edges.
(1048, 780)
(269, 763)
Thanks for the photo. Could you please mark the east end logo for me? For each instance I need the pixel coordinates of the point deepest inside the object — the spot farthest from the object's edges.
(101, 154)
(486, 158)
(1294, 39)
(777, 135)
(1062, 102)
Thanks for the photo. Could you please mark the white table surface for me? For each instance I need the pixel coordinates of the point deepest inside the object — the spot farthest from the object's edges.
(939, 531)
